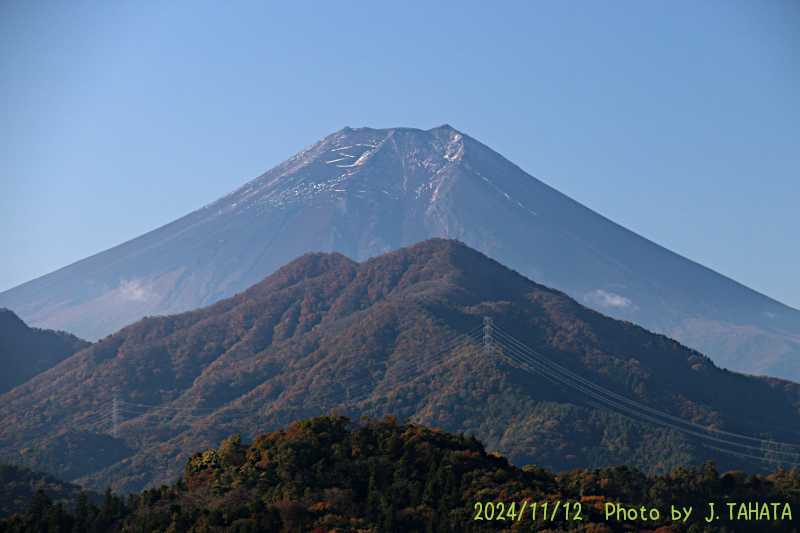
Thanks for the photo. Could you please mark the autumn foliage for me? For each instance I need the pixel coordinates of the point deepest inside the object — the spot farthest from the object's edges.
(329, 474)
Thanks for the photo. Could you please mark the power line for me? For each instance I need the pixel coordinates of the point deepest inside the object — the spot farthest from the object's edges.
(556, 353)
(602, 394)
(405, 372)
(637, 404)
(397, 373)
(648, 418)
(54, 429)
(350, 391)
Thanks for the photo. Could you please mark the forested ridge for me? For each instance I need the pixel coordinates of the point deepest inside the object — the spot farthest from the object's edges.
(26, 352)
(19, 484)
(328, 474)
(387, 336)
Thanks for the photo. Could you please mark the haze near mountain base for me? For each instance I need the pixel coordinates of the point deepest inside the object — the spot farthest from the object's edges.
(362, 192)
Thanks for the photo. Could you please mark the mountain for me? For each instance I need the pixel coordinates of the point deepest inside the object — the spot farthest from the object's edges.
(26, 352)
(363, 192)
(556, 384)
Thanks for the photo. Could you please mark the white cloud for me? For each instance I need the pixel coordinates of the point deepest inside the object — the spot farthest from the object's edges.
(609, 299)
(134, 290)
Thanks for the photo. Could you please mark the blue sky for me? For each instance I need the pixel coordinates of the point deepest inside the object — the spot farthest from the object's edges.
(677, 120)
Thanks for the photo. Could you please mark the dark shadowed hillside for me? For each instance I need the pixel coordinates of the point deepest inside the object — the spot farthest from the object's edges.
(398, 334)
(18, 486)
(26, 352)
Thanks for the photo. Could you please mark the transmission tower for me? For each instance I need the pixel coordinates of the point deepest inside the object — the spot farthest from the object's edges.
(487, 334)
(115, 416)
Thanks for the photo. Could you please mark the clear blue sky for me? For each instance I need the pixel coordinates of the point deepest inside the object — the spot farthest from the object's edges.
(678, 120)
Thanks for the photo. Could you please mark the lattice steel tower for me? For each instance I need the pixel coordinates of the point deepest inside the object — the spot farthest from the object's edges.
(115, 417)
(487, 334)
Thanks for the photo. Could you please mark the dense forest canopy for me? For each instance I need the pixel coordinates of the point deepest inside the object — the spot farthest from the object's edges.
(328, 474)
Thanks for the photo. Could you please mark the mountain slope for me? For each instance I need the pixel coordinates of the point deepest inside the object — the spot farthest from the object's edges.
(26, 352)
(363, 192)
(386, 337)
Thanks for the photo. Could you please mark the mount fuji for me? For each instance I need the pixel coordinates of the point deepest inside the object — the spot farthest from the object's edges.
(363, 192)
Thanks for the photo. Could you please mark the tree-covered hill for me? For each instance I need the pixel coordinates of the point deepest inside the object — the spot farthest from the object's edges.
(18, 485)
(327, 474)
(26, 352)
(398, 334)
